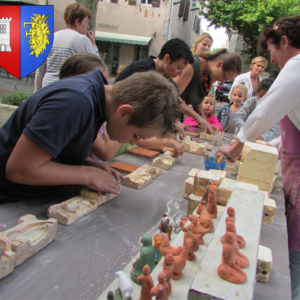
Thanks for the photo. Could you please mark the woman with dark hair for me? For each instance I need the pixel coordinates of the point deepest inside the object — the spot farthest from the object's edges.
(281, 103)
(207, 68)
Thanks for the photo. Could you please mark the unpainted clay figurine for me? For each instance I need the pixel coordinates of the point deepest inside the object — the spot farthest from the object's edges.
(179, 264)
(183, 221)
(229, 269)
(243, 261)
(125, 285)
(110, 295)
(166, 248)
(147, 254)
(146, 282)
(197, 229)
(190, 243)
(168, 268)
(163, 228)
(204, 218)
(212, 200)
(161, 291)
(231, 218)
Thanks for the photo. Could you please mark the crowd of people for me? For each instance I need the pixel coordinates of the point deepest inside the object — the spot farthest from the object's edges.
(75, 120)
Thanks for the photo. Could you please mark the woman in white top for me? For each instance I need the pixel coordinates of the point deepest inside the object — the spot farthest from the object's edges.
(281, 103)
(251, 79)
(74, 39)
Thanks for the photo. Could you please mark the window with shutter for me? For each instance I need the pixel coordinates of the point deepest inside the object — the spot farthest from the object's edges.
(155, 3)
(186, 10)
(132, 2)
(181, 8)
(114, 1)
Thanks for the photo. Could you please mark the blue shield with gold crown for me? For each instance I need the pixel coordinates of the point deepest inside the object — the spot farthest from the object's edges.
(26, 37)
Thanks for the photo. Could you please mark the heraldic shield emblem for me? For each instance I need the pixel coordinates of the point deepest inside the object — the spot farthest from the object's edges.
(26, 37)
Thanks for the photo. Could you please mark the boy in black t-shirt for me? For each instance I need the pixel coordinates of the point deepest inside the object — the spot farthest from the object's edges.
(47, 140)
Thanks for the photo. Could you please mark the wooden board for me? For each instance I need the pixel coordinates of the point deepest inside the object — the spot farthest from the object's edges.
(143, 152)
(207, 284)
(180, 287)
(124, 167)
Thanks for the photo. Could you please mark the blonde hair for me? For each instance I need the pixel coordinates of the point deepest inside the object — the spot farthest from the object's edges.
(154, 98)
(201, 37)
(257, 60)
(120, 69)
(243, 88)
(214, 109)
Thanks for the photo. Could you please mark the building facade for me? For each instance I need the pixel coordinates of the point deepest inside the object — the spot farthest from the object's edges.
(129, 30)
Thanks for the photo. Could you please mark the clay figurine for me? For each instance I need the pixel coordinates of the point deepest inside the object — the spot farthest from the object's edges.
(183, 221)
(171, 224)
(166, 248)
(229, 269)
(110, 295)
(179, 264)
(197, 229)
(243, 261)
(146, 257)
(190, 243)
(168, 268)
(163, 228)
(231, 218)
(212, 200)
(161, 291)
(124, 285)
(146, 282)
(204, 218)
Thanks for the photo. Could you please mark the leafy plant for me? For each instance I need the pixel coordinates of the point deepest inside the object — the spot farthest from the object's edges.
(15, 98)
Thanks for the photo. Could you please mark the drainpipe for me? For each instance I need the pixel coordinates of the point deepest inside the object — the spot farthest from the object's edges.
(170, 19)
(192, 27)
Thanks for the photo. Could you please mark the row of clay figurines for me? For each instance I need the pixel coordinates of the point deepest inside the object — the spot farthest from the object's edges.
(174, 258)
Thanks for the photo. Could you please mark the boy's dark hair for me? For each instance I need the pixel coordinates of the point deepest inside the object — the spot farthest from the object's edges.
(154, 98)
(232, 61)
(265, 84)
(177, 49)
(76, 11)
(289, 27)
(81, 63)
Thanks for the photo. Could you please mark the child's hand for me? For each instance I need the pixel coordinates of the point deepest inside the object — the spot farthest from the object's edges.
(101, 181)
(180, 128)
(205, 126)
(111, 171)
(178, 147)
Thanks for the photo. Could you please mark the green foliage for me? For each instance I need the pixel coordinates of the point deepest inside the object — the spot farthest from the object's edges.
(15, 98)
(248, 17)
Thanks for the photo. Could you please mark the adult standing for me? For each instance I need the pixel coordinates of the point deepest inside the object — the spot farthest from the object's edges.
(203, 43)
(207, 68)
(75, 38)
(252, 78)
(281, 103)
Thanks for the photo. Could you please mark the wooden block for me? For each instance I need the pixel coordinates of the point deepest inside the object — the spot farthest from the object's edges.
(143, 152)
(264, 264)
(165, 161)
(206, 136)
(193, 172)
(188, 187)
(124, 167)
(277, 168)
(191, 131)
(264, 186)
(71, 210)
(141, 177)
(193, 203)
(222, 174)
(7, 257)
(269, 208)
(98, 196)
(30, 236)
(207, 284)
(194, 147)
(202, 180)
(261, 142)
(232, 167)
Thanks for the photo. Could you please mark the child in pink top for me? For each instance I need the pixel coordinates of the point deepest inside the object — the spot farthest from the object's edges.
(209, 110)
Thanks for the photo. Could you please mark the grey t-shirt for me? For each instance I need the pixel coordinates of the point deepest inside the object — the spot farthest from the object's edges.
(231, 115)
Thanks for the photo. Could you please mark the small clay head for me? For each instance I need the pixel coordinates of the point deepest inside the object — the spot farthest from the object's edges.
(146, 270)
(192, 218)
(169, 259)
(230, 211)
(110, 295)
(203, 203)
(162, 277)
(229, 237)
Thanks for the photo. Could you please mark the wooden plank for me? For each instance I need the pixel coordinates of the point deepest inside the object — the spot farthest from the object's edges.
(180, 287)
(207, 284)
(143, 152)
(124, 167)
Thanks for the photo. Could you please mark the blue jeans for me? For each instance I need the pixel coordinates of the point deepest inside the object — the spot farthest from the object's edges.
(295, 273)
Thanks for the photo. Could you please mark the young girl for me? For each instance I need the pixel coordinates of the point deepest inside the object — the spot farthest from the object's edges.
(227, 113)
(209, 110)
